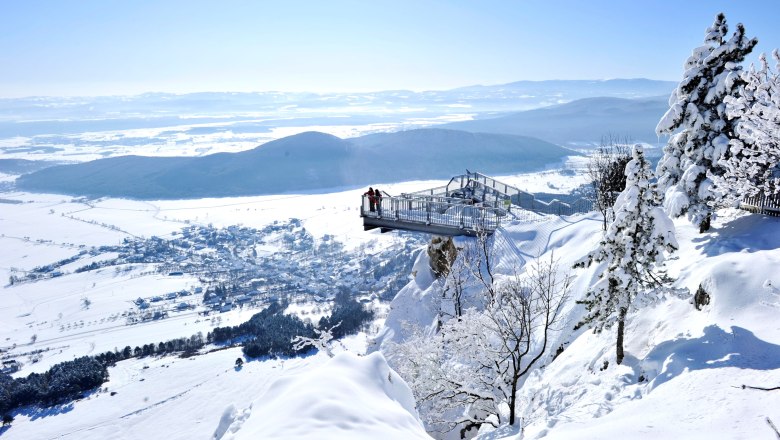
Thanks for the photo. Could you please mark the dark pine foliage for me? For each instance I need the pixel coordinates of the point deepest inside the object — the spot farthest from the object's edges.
(351, 314)
(268, 333)
(67, 381)
(63, 382)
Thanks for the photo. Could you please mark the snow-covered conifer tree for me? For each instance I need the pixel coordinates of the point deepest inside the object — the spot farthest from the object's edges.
(754, 163)
(697, 115)
(632, 248)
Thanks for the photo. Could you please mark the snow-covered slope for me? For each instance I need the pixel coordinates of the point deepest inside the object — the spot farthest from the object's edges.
(517, 243)
(684, 368)
(350, 397)
(414, 307)
(682, 377)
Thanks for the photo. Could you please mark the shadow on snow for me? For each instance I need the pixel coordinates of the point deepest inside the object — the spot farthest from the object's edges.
(715, 349)
(751, 233)
(35, 412)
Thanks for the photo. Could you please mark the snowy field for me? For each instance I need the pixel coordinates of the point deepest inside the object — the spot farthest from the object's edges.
(45, 322)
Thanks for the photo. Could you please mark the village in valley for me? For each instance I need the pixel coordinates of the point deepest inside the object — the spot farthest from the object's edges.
(240, 267)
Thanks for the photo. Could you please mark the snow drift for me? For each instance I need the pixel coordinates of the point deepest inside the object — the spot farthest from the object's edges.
(350, 397)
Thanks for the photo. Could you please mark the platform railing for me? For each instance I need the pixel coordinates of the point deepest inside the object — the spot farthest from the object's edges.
(490, 182)
(439, 211)
(471, 201)
(438, 191)
(762, 204)
(471, 179)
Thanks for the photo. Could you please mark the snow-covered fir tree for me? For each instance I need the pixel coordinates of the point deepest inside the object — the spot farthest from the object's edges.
(632, 249)
(697, 115)
(753, 166)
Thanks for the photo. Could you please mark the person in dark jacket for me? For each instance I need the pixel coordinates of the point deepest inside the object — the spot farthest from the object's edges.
(371, 199)
(378, 198)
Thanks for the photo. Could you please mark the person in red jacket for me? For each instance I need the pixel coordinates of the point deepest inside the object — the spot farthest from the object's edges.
(371, 199)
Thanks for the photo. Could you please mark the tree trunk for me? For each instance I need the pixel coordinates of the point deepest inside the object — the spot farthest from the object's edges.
(513, 401)
(705, 224)
(621, 329)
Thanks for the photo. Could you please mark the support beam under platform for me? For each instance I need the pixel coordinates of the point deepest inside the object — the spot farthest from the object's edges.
(389, 224)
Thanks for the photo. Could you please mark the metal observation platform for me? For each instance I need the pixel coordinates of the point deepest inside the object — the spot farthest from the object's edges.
(470, 204)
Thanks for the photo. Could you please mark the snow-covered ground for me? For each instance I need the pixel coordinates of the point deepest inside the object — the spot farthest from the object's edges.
(47, 321)
(47, 228)
(682, 377)
(175, 398)
(684, 369)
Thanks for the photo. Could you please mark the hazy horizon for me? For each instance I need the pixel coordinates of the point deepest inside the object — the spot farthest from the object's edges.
(322, 93)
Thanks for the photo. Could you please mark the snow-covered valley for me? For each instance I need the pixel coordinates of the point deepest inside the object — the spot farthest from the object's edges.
(682, 376)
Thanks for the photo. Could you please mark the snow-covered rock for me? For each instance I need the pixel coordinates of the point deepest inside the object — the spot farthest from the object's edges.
(415, 306)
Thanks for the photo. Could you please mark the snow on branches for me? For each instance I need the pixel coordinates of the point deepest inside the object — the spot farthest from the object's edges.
(633, 246)
(753, 166)
(322, 342)
(699, 124)
(470, 371)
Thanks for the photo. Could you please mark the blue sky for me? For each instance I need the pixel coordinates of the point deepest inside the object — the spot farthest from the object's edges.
(106, 47)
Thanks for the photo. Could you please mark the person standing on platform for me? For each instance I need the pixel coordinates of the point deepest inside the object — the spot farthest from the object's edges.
(378, 197)
(371, 199)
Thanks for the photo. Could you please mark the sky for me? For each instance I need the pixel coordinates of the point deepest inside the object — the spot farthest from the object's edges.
(107, 47)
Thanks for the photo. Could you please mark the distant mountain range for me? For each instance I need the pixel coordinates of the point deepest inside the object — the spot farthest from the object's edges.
(70, 115)
(584, 120)
(305, 162)
(576, 89)
(501, 140)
